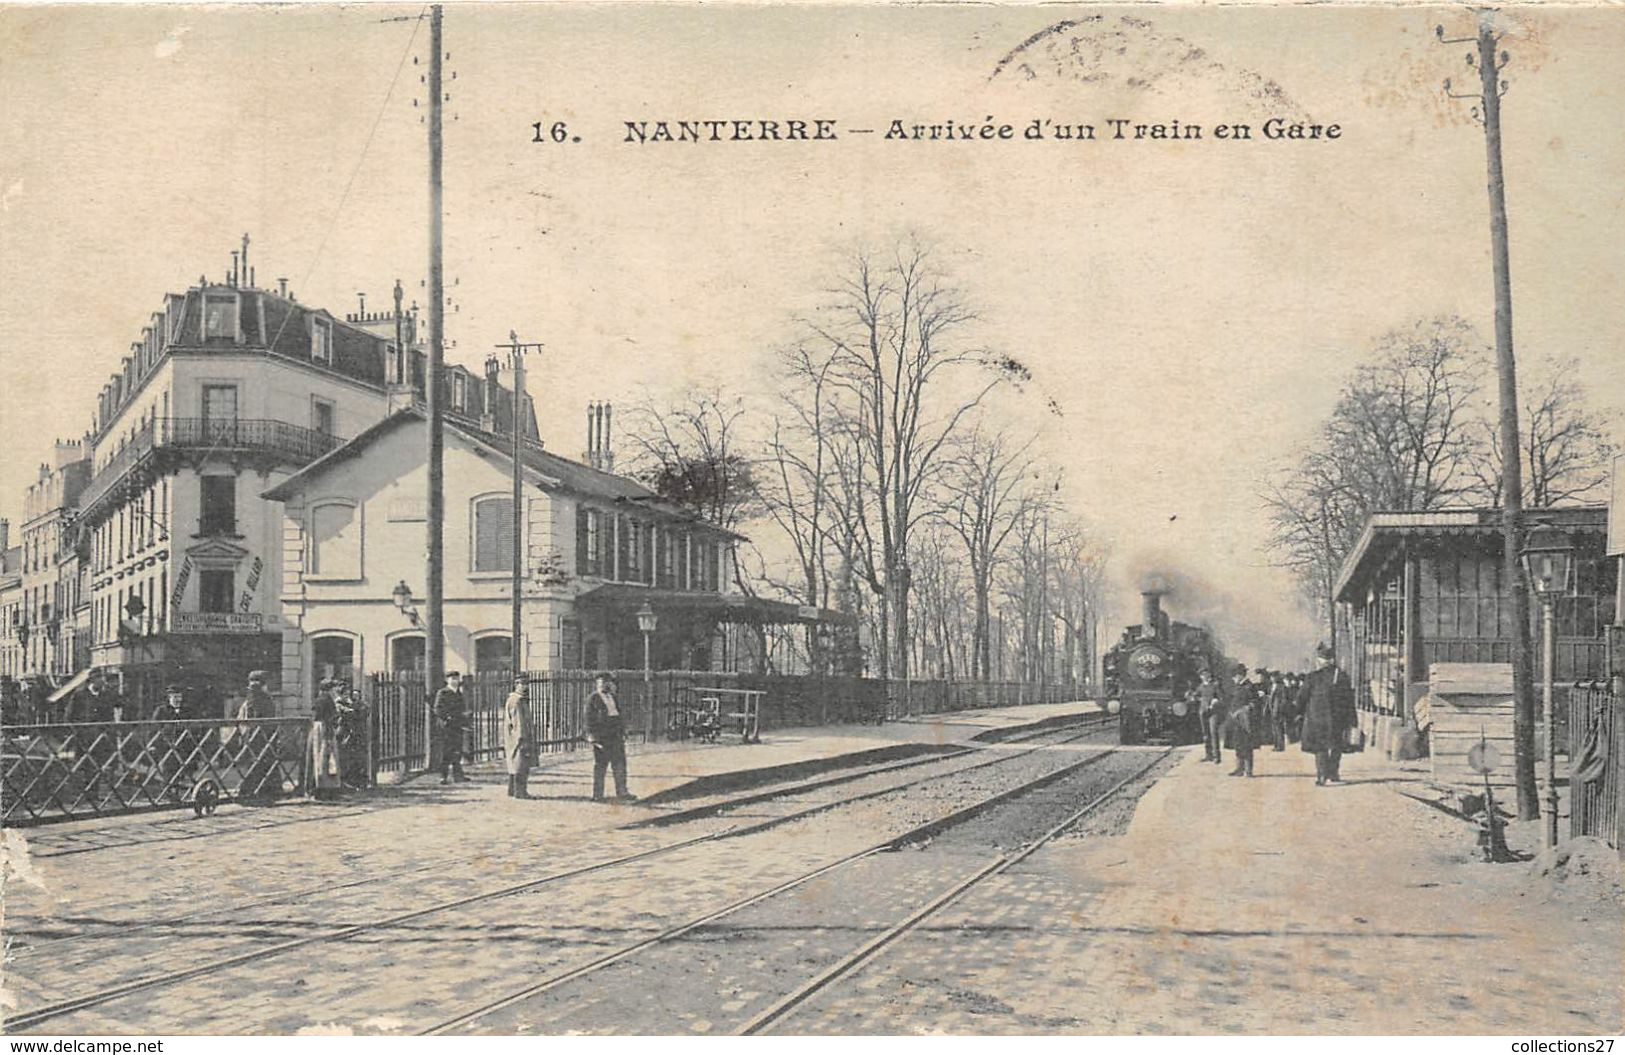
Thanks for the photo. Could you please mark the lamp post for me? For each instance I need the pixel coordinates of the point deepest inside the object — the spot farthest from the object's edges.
(402, 596)
(647, 621)
(1548, 563)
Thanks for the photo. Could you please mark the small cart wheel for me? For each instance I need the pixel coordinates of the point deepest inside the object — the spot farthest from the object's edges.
(205, 798)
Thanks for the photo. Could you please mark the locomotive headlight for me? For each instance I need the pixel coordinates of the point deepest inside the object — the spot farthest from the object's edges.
(1114, 706)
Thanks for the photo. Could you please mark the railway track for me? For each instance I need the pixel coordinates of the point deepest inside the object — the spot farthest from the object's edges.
(703, 811)
(871, 950)
(853, 962)
(128, 987)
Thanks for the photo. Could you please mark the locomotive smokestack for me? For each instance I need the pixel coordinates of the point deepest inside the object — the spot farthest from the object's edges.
(1151, 620)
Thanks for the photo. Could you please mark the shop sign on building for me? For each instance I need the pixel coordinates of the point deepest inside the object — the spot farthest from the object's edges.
(215, 622)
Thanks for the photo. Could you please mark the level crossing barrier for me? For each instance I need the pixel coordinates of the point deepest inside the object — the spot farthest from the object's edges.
(70, 771)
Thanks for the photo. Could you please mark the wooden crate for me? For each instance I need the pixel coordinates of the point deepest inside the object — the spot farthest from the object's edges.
(1469, 703)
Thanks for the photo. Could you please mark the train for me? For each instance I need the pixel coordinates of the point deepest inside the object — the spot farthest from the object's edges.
(1149, 672)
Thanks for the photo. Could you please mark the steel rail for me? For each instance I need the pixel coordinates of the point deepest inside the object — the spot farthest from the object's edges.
(34, 1016)
(915, 834)
(785, 791)
(873, 948)
(683, 816)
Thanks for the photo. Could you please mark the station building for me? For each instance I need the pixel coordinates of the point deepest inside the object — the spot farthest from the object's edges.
(1425, 588)
(229, 390)
(597, 547)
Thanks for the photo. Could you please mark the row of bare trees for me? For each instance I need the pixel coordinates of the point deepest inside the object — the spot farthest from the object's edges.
(878, 483)
(1414, 429)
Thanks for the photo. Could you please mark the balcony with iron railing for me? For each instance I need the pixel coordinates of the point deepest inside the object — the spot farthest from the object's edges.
(262, 439)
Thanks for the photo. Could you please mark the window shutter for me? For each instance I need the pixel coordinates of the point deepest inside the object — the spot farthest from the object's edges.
(583, 558)
(493, 534)
(649, 554)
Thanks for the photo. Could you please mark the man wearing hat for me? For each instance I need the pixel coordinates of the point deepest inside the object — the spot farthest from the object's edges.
(606, 732)
(173, 748)
(95, 702)
(257, 744)
(518, 738)
(1326, 701)
(327, 775)
(451, 715)
(1241, 720)
(1210, 708)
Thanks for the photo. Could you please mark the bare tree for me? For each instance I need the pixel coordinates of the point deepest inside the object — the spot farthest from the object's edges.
(1077, 595)
(981, 497)
(893, 332)
(1567, 445)
(690, 453)
(1401, 437)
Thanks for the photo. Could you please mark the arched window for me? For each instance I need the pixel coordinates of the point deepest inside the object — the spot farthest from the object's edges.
(407, 653)
(493, 652)
(335, 540)
(493, 534)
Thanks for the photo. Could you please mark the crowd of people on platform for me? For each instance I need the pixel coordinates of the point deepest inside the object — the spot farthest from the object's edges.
(1256, 708)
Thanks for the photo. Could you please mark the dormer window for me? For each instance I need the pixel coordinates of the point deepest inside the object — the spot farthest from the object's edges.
(220, 316)
(321, 340)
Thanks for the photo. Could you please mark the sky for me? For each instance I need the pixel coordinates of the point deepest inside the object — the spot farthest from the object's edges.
(1190, 307)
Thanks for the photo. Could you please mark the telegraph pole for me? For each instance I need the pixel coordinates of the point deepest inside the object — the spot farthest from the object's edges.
(434, 615)
(516, 359)
(1489, 64)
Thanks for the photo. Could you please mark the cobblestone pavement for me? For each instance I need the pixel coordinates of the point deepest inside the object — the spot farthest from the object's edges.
(459, 842)
(1229, 906)
(722, 975)
(1267, 906)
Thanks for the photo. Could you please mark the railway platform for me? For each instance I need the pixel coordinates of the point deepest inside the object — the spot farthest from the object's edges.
(1266, 906)
(667, 772)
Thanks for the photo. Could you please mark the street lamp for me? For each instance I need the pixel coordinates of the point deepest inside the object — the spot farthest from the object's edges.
(402, 596)
(647, 621)
(1548, 564)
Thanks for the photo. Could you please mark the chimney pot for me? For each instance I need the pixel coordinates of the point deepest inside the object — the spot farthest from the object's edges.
(282, 287)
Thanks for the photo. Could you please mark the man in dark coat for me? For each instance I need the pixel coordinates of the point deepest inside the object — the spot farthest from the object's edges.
(1241, 720)
(95, 702)
(606, 731)
(1326, 701)
(451, 715)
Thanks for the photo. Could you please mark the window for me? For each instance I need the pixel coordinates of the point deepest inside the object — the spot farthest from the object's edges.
(494, 652)
(493, 535)
(216, 588)
(634, 537)
(218, 505)
(220, 316)
(459, 391)
(321, 340)
(335, 541)
(220, 411)
(407, 653)
(590, 542)
(321, 417)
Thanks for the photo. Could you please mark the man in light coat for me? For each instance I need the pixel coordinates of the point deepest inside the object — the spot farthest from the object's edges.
(518, 738)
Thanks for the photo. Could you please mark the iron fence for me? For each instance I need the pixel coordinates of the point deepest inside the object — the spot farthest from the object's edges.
(654, 709)
(1596, 763)
(96, 769)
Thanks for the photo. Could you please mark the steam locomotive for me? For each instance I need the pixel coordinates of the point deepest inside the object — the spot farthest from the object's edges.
(1148, 673)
